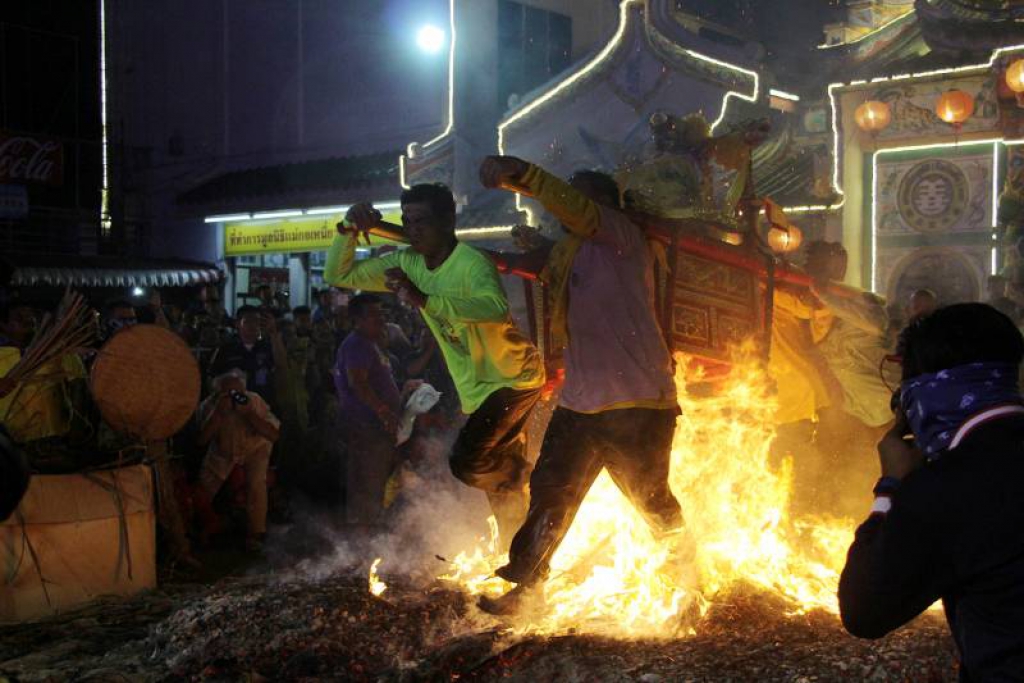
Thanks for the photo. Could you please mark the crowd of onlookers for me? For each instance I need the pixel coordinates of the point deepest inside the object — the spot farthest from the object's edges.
(279, 410)
(289, 365)
(269, 417)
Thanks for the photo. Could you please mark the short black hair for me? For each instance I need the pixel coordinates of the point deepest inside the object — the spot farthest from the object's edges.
(437, 195)
(958, 335)
(246, 310)
(358, 304)
(301, 310)
(603, 183)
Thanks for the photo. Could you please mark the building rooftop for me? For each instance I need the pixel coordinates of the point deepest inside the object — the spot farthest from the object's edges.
(262, 186)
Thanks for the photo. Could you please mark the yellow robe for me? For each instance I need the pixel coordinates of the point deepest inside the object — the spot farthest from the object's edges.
(802, 391)
(851, 333)
(38, 408)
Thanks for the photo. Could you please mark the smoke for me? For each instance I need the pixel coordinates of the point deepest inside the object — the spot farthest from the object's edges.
(431, 519)
(434, 516)
(834, 462)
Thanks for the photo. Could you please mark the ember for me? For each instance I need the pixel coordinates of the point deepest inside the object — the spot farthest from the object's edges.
(463, 340)
(262, 629)
(377, 587)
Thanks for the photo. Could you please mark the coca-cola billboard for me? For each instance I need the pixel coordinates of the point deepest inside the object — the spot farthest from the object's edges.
(31, 159)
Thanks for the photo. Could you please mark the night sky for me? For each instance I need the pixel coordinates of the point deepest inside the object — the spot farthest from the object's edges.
(788, 29)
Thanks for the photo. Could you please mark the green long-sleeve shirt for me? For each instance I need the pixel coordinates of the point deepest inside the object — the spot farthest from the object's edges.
(467, 312)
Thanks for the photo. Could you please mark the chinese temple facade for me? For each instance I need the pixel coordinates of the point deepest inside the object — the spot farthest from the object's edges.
(898, 137)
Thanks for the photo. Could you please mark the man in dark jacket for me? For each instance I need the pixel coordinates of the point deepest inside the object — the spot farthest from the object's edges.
(258, 351)
(948, 517)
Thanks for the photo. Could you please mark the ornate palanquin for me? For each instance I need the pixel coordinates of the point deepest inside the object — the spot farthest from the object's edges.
(710, 305)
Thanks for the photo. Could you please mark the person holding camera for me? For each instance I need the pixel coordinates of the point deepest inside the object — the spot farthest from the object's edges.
(948, 517)
(238, 429)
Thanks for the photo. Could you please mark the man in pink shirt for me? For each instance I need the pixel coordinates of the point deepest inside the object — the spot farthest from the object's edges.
(618, 407)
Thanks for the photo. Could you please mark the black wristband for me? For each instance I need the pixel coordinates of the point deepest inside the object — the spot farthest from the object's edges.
(886, 486)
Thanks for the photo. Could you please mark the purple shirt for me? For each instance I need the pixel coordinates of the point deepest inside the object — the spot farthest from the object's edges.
(358, 352)
(616, 356)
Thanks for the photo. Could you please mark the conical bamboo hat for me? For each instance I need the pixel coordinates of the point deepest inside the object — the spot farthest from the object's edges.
(146, 382)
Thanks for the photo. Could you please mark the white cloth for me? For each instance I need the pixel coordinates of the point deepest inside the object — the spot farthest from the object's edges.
(419, 402)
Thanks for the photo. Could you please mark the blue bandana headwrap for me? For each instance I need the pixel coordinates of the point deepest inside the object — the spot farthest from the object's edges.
(937, 403)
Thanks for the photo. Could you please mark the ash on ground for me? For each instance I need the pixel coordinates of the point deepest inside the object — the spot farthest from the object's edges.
(265, 628)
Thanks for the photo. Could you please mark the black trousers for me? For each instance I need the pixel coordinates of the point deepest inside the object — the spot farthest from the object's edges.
(634, 444)
(491, 454)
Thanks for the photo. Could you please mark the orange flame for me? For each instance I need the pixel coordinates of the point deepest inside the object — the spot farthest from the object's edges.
(376, 586)
(610, 576)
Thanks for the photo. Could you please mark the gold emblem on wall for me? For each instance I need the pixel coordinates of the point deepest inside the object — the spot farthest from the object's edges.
(933, 196)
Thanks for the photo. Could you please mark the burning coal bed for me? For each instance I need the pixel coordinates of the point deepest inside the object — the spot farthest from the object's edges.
(335, 629)
(755, 600)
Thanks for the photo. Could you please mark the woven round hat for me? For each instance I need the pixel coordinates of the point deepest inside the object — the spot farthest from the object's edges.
(146, 382)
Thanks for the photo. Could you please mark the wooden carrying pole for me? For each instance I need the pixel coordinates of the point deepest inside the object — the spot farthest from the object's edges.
(663, 230)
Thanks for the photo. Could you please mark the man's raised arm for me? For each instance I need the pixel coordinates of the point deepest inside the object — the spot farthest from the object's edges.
(576, 211)
(342, 269)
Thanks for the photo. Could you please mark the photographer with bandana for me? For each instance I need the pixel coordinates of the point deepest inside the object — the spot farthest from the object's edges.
(948, 516)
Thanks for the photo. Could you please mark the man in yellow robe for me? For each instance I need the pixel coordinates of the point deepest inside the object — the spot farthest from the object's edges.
(40, 407)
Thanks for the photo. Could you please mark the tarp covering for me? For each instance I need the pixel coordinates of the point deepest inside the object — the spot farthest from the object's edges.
(76, 537)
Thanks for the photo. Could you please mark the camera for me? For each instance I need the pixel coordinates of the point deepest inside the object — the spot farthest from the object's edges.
(238, 397)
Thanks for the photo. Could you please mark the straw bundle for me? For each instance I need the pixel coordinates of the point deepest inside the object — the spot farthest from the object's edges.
(71, 329)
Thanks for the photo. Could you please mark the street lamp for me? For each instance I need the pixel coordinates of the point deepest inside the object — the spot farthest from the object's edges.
(430, 39)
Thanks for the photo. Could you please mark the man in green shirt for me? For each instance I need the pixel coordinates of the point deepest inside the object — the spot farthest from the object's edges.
(497, 372)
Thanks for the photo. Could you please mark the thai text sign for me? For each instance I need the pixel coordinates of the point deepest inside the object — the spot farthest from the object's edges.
(31, 159)
(287, 236)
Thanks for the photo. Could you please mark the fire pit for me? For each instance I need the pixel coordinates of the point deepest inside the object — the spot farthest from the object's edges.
(262, 629)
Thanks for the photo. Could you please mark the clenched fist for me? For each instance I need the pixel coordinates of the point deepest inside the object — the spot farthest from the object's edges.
(360, 218)
(498, 170)
(408, 293)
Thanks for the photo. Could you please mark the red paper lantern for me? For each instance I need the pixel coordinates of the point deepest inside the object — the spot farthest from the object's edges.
(785, 239)
(1015, 76)
(872, 116)
(954, 107)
